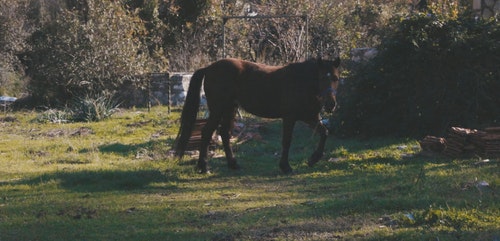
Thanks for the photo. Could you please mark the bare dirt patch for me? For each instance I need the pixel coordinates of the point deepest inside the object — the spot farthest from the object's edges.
(82, 131)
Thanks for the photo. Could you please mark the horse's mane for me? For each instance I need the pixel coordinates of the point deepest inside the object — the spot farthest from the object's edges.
(310, 64)
(305, 73)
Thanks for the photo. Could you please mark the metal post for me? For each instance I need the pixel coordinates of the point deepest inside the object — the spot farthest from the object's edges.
(224, 20)
(169, 90)
(307, 36)
(149, 76)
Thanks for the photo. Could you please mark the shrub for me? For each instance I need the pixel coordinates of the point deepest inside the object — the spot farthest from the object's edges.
(54, 116)
(85, 51)
(430, 74)
(94, 108)
(86, 109)
(14, 28)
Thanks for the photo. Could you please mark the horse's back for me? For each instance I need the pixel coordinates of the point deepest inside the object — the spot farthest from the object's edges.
(254, 87)
(220, 76)
(232, 66)
(266, 91)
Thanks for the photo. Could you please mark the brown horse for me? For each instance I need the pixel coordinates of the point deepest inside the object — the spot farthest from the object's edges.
(295, 92)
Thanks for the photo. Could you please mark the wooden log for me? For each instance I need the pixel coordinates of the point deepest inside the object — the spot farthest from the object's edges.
(494, 129)
(195, 139)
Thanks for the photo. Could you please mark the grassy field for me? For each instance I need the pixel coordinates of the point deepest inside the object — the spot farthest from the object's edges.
(115, 180)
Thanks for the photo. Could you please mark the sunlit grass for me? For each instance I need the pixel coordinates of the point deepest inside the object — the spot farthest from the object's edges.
(118, 182)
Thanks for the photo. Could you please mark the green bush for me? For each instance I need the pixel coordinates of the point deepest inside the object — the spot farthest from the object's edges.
(91, 50)
(54, 116)
(431, 73)
(13, 30)
(84, 109)
(90, 109)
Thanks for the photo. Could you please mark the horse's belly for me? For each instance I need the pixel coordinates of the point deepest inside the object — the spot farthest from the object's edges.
(263, 113)
(263, 107)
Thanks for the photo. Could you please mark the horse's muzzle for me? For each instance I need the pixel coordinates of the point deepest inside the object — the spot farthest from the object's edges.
(331, 104)
(329, 99)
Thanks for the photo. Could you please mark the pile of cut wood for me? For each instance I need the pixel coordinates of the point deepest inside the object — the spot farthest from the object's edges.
(462, 141)
(195, 139)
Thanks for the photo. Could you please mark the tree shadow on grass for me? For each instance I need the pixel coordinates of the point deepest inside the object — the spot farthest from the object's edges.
(97, 181)
(131, 149)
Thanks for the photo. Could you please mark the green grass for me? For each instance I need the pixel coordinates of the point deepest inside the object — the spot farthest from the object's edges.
(118, 182)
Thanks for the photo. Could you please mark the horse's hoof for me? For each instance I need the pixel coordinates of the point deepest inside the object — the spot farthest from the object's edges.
(202, 170)
(311, 163)
(286, 169)
(233, 165)
(314, 159)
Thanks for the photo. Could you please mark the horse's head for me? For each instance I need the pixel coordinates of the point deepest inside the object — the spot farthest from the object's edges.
(328, 82)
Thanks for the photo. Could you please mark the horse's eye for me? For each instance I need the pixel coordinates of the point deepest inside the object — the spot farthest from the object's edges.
(328, 74)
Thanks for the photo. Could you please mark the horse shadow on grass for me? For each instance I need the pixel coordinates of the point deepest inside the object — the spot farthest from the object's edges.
(261, 157)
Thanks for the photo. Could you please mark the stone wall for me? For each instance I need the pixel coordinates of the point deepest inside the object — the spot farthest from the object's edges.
(179, 86)
(486, 8)
(163, 88)
(359, 55)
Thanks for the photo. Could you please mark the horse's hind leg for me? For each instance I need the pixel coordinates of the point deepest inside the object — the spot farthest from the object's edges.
(206, 137)
(318, 127)
(288, 125)
(226, 128)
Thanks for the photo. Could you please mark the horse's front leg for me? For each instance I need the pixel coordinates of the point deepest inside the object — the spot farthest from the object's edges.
(288, 126)
(226, 128)
(319, 128)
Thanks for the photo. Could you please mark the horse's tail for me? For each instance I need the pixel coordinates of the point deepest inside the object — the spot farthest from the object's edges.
(189, 112)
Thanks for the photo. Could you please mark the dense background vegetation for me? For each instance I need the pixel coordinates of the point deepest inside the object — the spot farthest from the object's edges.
(436, 65)
(432, 72)
(58, 50)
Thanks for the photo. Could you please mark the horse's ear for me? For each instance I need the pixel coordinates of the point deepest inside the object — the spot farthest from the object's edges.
(319, 59)
(336, 62)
